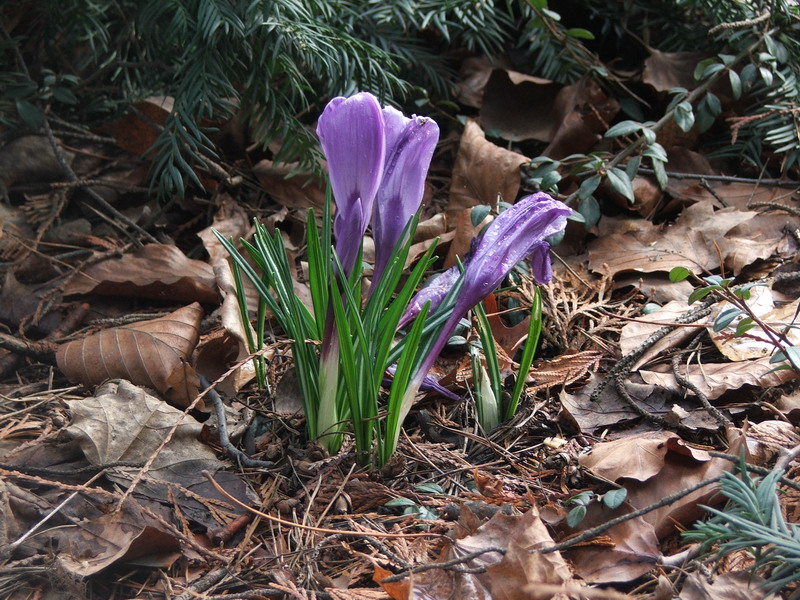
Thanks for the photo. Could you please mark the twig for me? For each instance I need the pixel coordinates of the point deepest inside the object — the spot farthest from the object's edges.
(224, 439)
(741, 24)
(726, 178)
(623, 365)
(202, 584)
(455, 564)
(9, 549)
(775, 206)
(280, 521)
(685, 382)
(754, 468)
(595, 531)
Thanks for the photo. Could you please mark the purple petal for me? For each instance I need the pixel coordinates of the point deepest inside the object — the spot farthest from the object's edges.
(429, 384)
(409, 147)
(352, 136)
(512, 236)
(434, 291)
(540, 263)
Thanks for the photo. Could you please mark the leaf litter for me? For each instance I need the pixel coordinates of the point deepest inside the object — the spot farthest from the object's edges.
(111, 486)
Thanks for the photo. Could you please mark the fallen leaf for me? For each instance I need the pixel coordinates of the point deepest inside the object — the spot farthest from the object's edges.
(666, 70)
(157, 271)
(122, 423)
(519, 106)
(628, 551)
(714, 379)
(506, 575)
(691, 242)
(612, 409)
(150, 353)
(728, 586)
(92, 545)
(634, 457)
(583, 113)
(288, 187)
(138, 130)
(483, 172)
(755, 344)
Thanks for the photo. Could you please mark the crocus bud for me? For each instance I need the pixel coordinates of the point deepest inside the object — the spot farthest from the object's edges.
(409, 147)
(351, 132)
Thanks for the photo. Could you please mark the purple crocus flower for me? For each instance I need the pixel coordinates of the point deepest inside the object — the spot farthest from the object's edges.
(409, 147)
(515, 234)
(351, 131)
(489, 257)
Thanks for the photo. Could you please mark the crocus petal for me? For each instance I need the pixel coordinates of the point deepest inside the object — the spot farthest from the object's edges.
(352, 136)
(434, 292)
(409, 147)
(512, 236)
(541, 267)
(515, 234)
(429, 384)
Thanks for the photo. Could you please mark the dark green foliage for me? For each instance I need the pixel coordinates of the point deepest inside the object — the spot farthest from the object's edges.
(274, 60)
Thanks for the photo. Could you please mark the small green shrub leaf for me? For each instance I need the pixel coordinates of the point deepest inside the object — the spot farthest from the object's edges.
(30, 114)
(589, 208)
(395, 502)
(621, 183)
(576, 515)
(679, 274)
(615, 498)
(478, 214)
(429, 488)
(701, 293)
(623, 128)
(725, 318)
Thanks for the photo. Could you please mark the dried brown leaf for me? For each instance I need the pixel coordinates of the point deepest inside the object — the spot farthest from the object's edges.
(714, 379)
(728, 586)
(138, 130)
(666, 70)
(123, 423)
(483, 172)
(300, 190)
(519, 106)
(157, 271)
(691, 242)
(89, 546)
(583, 112)
(150, 353)
(507, 576)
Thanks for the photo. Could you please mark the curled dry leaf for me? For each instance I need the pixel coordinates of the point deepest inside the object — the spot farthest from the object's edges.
(692, 242)
(582, 113)
(728, 586)
(666, 70)
(484, 173)
(221, 349)
(123, 423)
(658, 465)
(138, 130)
(300, 190)
(157, 271)
(521, 107)
(506, 576)
(150, 353)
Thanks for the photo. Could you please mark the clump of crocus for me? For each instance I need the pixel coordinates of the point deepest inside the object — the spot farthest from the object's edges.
(378, 160)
